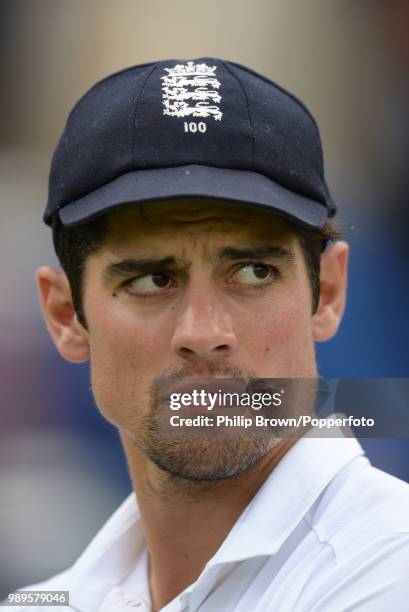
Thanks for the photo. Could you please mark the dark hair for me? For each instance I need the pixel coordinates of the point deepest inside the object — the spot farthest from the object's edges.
(74, 244)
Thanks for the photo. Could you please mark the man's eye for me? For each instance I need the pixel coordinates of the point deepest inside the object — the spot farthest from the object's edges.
(254, 274)
(150, 283)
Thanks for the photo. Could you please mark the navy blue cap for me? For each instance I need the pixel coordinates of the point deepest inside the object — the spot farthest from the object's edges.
(203, 128)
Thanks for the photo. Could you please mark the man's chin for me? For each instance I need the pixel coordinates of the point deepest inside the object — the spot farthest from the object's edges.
(207, 459)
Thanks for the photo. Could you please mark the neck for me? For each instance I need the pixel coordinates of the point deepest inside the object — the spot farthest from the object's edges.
(185, 522)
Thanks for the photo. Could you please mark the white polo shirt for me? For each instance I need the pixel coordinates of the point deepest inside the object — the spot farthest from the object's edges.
(327, 532)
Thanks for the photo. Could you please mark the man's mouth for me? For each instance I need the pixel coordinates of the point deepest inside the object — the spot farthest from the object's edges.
(202, 394)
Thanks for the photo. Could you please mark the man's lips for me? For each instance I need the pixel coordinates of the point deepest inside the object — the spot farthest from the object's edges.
(199, 389)
(209, 385)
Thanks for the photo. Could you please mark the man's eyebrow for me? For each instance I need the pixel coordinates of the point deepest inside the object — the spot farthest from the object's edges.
(263, 252)
(134, 265)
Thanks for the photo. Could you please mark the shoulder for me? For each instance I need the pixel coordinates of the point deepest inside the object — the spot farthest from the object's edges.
(360, 506)
(362, 518)
(111, 537)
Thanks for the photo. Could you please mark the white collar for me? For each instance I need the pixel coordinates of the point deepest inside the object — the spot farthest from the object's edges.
(277, 508)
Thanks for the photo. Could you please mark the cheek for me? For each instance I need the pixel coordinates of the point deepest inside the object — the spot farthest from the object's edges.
(125, 352)
(279, 339)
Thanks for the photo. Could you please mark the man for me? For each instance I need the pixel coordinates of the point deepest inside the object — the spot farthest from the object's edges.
(189, 212)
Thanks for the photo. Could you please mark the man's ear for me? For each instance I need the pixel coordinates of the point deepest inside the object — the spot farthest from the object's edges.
(67, 333)
(333, 282)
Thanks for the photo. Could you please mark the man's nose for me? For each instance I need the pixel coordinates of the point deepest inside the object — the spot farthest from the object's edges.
(204, 328)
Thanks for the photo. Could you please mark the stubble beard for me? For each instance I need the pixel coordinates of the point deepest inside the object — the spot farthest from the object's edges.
(205, 458)
(202, 456)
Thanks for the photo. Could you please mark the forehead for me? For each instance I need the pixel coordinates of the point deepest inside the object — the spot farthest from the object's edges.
(193, 218)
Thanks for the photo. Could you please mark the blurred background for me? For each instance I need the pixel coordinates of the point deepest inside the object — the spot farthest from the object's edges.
(62, 470)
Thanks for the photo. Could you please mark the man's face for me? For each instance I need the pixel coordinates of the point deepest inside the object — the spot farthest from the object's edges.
(194, 290)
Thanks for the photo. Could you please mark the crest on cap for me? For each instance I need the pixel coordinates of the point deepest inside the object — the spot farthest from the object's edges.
(191, 90)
